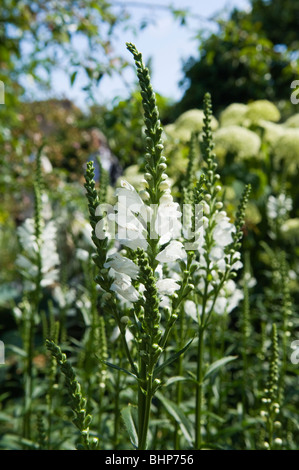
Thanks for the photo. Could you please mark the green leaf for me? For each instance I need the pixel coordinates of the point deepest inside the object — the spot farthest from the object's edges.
(172, 358)
(218, 364)
(128, 417)
(176, 378)
(15, 349)
(213, 446)
(113, 366)
(73, 77)
(179, 416)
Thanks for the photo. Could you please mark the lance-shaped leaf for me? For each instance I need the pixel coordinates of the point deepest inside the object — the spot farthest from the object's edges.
(175, 411)
(127, 414)
(218, 364)
(171, 359)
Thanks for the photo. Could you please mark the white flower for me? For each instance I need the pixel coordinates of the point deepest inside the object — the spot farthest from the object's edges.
(278, 206)
(128, 196)
(173, 251)
(167, 223)
(190, 309)
(131, 216)
(228, 299)
(216, 253)
(224, 229)
(131, 230)
(116, 332)
(248, 280)
(123, 265)
(167, 286)
(122, 285)
(26, 234)
(82, 255)
(28, 261)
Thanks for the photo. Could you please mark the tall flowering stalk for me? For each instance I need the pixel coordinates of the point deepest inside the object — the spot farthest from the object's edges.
(37, 263)
(270, 400)
(78, 402)
(134, 280)
(217, 257)
(160, 262)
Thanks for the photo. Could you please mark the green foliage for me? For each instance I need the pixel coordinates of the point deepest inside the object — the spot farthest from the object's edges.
(78, 402)
(240, 61)
(203, 362)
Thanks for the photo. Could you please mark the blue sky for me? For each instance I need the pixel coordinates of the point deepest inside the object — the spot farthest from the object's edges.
(166, 42)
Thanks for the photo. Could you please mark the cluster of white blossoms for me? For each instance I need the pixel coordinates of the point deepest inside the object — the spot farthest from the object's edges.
(228, 299)
(28, 261)
(136, 224)
(279, 207)
(215, 262)
(222, 233)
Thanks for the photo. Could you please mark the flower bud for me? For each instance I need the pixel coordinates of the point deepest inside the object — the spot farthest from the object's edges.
(162, 166)
(106, 296)
(164, 185)
(144, 195)
(144, 183)
(166, 199)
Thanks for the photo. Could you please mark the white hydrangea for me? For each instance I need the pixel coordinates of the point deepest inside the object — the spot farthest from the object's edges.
(262, 109)
(234, 114)
(238, 141)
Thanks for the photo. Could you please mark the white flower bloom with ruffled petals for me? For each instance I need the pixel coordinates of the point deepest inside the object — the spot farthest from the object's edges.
(122, 264)
(279, 206)
(28, 261)
(229, 298)
(191, 309)
(128, 196)
(168, 221)
(131, 230)
(224, 229)
(173, 251)
(122, 285)
(167, 286)
(131, 216)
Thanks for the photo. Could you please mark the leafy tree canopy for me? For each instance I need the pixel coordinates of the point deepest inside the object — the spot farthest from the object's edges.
(242, 61)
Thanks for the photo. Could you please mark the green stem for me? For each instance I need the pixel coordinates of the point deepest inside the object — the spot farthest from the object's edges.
(29, 376)
(116, 410)
(199, 389)
(179, 390)
(141, 399)
(142, 441)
